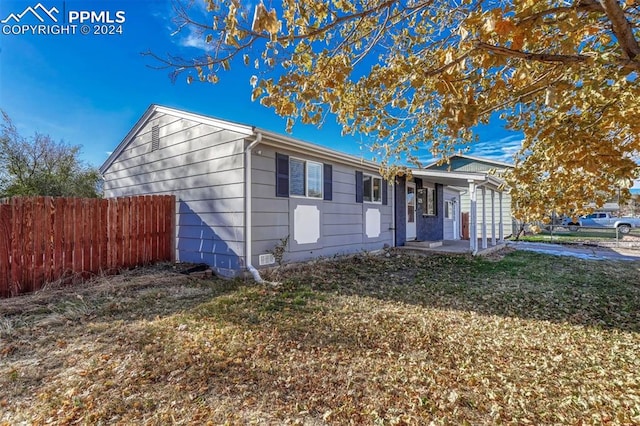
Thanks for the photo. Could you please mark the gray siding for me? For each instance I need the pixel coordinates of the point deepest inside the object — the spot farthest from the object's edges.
(463, 164)
(342, 221)
(202, 166)
(507, 219)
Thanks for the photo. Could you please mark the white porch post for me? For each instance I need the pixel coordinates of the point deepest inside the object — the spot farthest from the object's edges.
(493, 217)
(473, 225)
(501, 216)
(484, 217)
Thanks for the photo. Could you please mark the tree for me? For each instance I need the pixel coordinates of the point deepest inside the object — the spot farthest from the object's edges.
(41, 166)
(424, 73)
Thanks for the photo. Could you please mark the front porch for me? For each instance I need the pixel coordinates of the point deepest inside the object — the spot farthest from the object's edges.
(451, 247)
(435, 222)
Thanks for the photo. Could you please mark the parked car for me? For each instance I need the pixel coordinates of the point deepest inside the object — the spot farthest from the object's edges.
(603, 220)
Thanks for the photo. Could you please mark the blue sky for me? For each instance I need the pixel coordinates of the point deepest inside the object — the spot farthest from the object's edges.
(90, 89)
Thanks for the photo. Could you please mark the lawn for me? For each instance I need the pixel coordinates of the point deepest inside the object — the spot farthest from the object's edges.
(520, 338)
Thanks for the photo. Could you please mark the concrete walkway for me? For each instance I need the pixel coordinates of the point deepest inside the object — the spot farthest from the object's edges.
(579, 251)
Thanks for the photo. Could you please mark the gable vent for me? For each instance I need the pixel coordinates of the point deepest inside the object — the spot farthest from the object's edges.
(155, 138)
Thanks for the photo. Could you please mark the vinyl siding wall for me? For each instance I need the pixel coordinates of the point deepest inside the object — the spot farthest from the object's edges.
(202, 166)
(342, 221)
(472, 165)
(507, 220)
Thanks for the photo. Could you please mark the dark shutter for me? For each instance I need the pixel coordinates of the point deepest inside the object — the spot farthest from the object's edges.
(385, 189)
(327, 175)
(359, 187)
(282, 175)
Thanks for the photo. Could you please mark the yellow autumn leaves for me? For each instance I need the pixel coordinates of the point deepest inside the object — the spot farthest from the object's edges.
(420, 76)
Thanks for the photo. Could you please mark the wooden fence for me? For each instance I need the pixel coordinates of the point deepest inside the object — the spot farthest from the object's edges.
(46, 239)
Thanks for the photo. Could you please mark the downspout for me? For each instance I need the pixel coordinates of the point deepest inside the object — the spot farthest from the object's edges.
(247, 209)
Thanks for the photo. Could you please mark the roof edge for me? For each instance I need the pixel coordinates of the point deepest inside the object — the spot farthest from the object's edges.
(153, 108)
(298, 145)
(471, 157)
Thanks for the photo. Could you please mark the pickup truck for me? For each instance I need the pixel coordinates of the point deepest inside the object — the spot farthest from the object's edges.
(603, 220)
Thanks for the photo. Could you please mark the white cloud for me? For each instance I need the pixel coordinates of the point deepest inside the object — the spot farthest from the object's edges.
(196, 41)
(502, 149)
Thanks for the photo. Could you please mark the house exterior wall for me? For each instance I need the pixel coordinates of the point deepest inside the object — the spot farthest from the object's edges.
(202, 165)
(507, 219)
(463, 164)
(400, 205)
(342, 225)
(430, 228)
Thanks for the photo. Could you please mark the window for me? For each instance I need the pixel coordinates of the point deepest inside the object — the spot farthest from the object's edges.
(448, 210)
(430, 205)
(372, 189)
(305, 178)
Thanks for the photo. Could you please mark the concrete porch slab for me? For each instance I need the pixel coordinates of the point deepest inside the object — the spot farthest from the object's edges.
(449, 246)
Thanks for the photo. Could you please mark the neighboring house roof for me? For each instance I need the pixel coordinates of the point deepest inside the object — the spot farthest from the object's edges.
(268, 138)
(462, 161)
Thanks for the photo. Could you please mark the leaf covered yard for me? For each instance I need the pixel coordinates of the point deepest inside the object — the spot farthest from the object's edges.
(522, 338)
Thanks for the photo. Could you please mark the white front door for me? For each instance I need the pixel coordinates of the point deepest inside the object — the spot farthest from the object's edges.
(411, 211)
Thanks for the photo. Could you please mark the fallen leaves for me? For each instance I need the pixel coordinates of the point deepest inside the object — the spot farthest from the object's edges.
(364, 340)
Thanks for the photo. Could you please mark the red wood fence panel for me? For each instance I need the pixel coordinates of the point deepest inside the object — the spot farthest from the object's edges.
(44, 239)
(5, 249)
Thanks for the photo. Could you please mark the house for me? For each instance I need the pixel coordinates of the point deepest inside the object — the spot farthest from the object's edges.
(468, 163)
(241, 190)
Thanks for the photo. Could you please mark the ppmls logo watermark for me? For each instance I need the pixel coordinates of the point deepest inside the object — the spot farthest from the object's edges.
(42, 20)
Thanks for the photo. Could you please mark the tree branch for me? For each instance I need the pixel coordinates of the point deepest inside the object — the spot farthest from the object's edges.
(539, 57)
(580, 5)
(622, 29)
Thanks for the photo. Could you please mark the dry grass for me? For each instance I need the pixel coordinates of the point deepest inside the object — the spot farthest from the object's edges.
(524, 339)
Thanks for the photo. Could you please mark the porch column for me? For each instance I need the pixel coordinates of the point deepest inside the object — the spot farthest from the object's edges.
(501, 231)
(484, 217)
(473, 225)
(493, 217)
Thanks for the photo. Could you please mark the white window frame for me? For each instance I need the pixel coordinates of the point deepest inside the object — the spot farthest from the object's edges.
(306, 179)
(364, 183)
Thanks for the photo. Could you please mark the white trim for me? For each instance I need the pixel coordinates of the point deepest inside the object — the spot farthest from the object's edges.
(269, 138)
(305, 148)
(458, 178)
(152, 109)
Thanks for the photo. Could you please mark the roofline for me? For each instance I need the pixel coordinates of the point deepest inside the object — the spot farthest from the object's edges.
(475, 177)
(278, 140)
(471, 157)
(153, 108)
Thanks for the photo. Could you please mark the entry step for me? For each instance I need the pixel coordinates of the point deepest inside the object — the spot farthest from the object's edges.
(424, 244)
